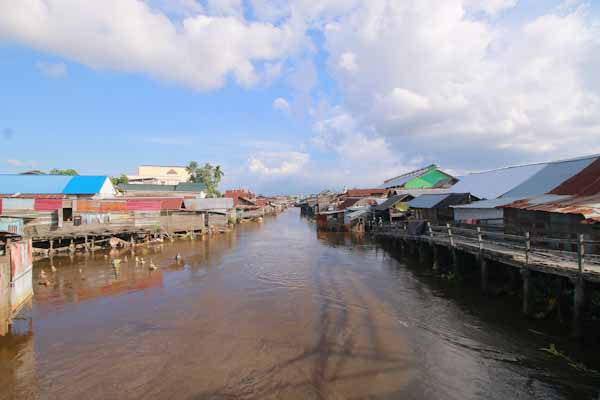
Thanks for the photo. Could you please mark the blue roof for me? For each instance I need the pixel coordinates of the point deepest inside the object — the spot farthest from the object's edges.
(33, 184)
(550, 177)
(495, 183)
(427, 200)
(50, 184)
(84, 185)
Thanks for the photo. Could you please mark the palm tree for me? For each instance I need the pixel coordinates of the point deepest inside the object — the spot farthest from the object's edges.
(192, 169)
(218, 174)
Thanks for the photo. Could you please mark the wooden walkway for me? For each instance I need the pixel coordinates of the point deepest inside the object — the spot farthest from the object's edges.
(513, 250)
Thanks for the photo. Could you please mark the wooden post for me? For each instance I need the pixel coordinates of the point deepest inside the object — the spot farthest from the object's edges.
(86, 245)
(51, 247)
(450, 235)
(435, 265)
(421, 250)
(526, 276)
(93, 244)
(527, 248)
(483, 265)
(579, 296)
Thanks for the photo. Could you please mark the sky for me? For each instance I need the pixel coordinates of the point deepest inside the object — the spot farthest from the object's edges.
(297, 96)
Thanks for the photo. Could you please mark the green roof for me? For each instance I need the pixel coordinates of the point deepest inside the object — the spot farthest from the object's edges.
(145, 187)
(190, 187)
(427, 180)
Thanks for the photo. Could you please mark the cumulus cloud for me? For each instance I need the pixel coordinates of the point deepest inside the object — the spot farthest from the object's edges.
(278, 163)
(200, 51)
(432, 74)
(52, 70)
(281, 104)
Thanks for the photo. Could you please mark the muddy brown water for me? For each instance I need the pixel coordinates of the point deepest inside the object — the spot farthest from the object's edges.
(274, 311)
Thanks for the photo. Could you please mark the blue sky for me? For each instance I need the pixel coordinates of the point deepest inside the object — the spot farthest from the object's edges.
(297, 97)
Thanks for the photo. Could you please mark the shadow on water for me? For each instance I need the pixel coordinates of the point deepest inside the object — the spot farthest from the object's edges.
(274, 311)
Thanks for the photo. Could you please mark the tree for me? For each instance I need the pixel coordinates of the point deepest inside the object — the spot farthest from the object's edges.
(208, 175)
(120, 180)
(56, 171)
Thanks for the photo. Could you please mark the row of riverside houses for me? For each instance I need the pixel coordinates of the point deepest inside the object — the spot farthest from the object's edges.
(47, 207)
(556, 199)
(44, 214)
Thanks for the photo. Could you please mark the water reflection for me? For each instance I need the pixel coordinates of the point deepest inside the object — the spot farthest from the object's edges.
(269, 311)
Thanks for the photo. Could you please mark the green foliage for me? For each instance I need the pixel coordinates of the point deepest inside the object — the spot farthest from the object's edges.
(120, 180)
(209, 175)
(70, 171)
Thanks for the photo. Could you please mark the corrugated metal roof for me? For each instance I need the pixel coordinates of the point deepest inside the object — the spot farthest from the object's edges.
(209, 203)
(495, 183)
(33, 184)
(190, 187)
(588, 206)
(491, 203)
(427, 200)
(550, 177)
(85, 185)
(585, 183)
(391, 201)
(403, 179)
(418, 192)
(144, 187)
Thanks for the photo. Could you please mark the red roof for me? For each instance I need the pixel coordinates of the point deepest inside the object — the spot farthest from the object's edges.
(347, 203)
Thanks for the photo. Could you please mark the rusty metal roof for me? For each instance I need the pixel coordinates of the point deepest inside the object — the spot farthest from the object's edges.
(587, 206)
(585, 183)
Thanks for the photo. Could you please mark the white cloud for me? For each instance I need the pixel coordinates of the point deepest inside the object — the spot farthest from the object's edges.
(431, 76)
(278, 163)
(52, 70)
(199, 51)
(281, 104)
(348, 62)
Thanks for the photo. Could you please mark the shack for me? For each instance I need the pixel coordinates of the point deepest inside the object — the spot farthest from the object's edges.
(217, 211)
(436, 208)
(500, 187)
(570, 209)
(394, 208)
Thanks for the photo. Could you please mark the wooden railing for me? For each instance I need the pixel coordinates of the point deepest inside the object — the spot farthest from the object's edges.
(543, 251)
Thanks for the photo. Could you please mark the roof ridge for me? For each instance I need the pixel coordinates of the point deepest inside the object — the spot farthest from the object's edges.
(536, 163)
(414, 172)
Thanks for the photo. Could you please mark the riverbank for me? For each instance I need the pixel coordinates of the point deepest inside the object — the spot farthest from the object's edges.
(275, 310)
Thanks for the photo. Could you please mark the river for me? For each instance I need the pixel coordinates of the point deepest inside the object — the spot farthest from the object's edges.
(274, 310)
